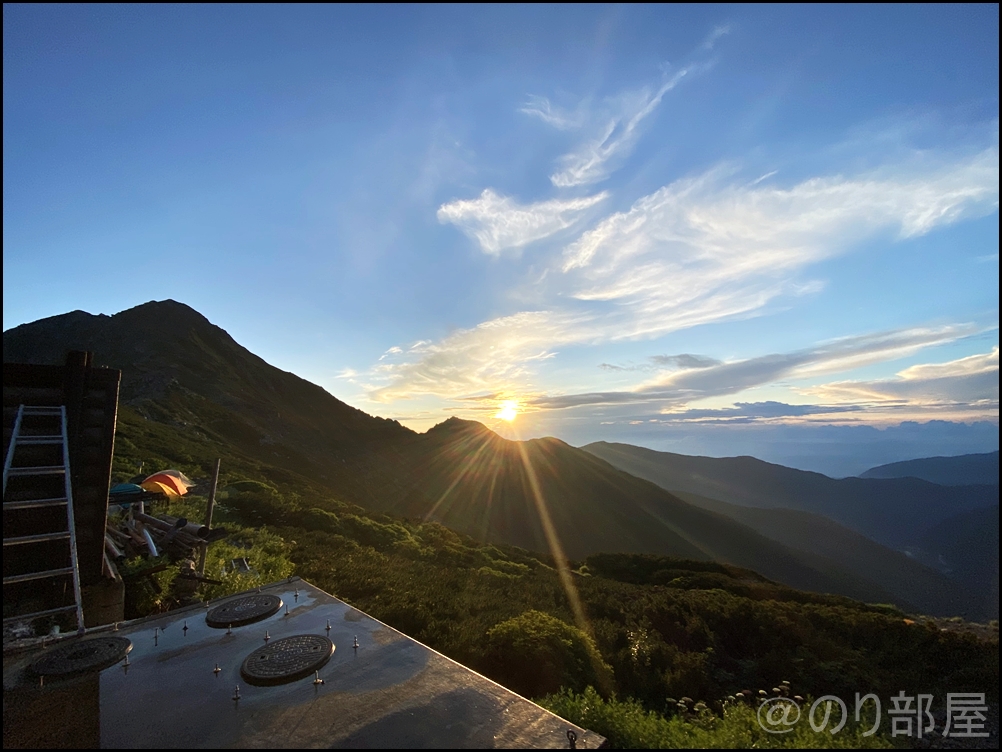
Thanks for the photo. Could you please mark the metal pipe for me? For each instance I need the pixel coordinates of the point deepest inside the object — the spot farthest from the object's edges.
(208, 514)
(171, 532)
(118, 535)
(13, 443)
(112, 569)
(149, 540)
(112, 549)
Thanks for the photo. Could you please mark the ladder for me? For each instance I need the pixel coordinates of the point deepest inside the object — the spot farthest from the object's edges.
(23, 437)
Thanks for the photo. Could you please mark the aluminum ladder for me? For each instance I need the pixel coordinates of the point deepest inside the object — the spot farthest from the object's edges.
(26, 414)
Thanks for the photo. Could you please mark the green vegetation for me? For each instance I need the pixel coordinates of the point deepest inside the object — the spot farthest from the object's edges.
(266, 553)
(627, 725)
(657, 628)
(536, 654)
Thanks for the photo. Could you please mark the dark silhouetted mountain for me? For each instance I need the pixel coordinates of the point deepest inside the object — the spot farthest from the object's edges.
(185, 374)
(895, 511)
(964, 470)
(178, 367)
(816, 535)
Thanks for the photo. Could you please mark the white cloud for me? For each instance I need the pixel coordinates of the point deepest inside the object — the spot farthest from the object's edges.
(759, 179)
(973, 364)
(713, 36)
(498, 222)
(559, 118)
(973, 380)
(493, 357)
(698, 381)
(699, 249)
(392, 351)
(614, 137)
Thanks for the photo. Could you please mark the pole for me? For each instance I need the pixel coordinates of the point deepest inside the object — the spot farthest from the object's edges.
(208, 515)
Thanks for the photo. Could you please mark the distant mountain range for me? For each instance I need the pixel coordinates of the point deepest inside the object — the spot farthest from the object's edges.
(892, 511)
(182, 372)
(948, 528)
(965, 470)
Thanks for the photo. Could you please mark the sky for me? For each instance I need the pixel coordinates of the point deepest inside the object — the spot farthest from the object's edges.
(706, 229)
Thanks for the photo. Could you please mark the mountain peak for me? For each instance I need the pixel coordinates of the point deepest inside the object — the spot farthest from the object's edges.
(456, 425)
(164, 313)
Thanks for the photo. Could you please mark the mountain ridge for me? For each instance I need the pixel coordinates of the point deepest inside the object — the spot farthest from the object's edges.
(960, 470)
(892, 511)
(184, 372)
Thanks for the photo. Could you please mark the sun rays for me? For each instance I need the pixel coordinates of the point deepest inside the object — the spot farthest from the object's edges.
(508, 410)
(477, 457)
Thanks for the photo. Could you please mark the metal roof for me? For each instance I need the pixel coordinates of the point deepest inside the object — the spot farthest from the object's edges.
(389, 691)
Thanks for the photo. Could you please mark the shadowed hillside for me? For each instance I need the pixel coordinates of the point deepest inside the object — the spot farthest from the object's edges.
(895, 511)
(472, 480)
(816, 535)
(179, 368)
(966, 547)
(964, 470)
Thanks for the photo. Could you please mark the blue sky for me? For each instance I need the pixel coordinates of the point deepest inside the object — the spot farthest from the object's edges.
(706, 228)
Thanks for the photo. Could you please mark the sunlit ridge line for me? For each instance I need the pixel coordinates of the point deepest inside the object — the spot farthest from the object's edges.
(553, 541)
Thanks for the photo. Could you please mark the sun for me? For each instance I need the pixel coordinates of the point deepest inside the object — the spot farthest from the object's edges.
(508, 411)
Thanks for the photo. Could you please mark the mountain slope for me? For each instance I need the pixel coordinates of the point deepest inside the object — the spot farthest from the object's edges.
(894, 511)
(966, 547)
(819, 536)
(964, 470)
(178, 367)
(534, 492)
(182, 372)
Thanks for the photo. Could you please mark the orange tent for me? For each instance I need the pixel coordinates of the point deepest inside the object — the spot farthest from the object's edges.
(155, 486)
(177, 486)
(177, 474)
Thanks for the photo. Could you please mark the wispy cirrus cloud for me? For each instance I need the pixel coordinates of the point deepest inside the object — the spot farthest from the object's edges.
(705, 248)
(493, 357)
(973, 380)
(676, 388)
(713, 36)
(700, 250)
(753, 412)
(614, 136)
(664, 362)
(558, 117)
(499, 223)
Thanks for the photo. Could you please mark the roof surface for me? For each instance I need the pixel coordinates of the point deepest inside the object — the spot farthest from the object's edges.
(390, 691)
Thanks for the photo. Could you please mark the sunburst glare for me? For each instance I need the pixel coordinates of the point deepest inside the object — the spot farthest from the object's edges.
(508, 410)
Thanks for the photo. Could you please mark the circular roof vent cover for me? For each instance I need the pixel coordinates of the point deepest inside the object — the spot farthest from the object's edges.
(81, 656)
(286, 660)
(245, 610)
